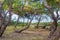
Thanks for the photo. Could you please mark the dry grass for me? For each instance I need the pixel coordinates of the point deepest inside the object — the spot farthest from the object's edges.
(30, 34)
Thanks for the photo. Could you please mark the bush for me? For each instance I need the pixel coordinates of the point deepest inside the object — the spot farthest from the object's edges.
(19, 23)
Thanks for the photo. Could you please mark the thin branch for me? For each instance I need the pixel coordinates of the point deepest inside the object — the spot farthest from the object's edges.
(50, 10)
(57, 13)
(17, 21)
(58, 18)
(10, 7)
(46, 5)
(3, 2)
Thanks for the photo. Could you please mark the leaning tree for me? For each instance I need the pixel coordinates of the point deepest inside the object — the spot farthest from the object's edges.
(3, 22)
(53, 6)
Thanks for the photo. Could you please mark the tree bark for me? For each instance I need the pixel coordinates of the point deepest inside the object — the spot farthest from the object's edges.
(10, 9)
(55, 36)
(17, 22)
(27, 25)
(38, 22)
(53, 28)
(3, 29)
(0, 15)
(4, 23)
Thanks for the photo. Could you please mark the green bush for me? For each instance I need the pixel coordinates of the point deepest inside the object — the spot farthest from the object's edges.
(19, 23)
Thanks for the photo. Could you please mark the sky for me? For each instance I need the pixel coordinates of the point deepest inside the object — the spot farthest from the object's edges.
(14, 17)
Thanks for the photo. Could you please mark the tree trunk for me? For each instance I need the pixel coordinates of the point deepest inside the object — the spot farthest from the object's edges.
(55, 36)
(10, 9)
(0, 15)
(3, 29)
(1, 19)
(53, 28)
(27, 25)
(38, 22)
(16, 22)
(23, 22)
(4, 24)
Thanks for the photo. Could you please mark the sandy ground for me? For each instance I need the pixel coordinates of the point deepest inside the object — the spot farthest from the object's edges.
(40, 34)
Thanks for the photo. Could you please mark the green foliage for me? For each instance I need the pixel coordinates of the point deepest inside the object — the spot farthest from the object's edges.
(46, 23)
(59, 24)
(54, 3)
(19, 23)
(19, 7)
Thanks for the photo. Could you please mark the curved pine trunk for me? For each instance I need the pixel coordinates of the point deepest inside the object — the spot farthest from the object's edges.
(3, 29)
(27, 25)
(4, 23)
(53, 35)
(38, 22)
(17, 22)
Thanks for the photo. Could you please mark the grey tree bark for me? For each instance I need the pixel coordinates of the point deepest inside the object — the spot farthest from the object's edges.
(4, 23)
(37, 26)
(27, 25)
(53, 35)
